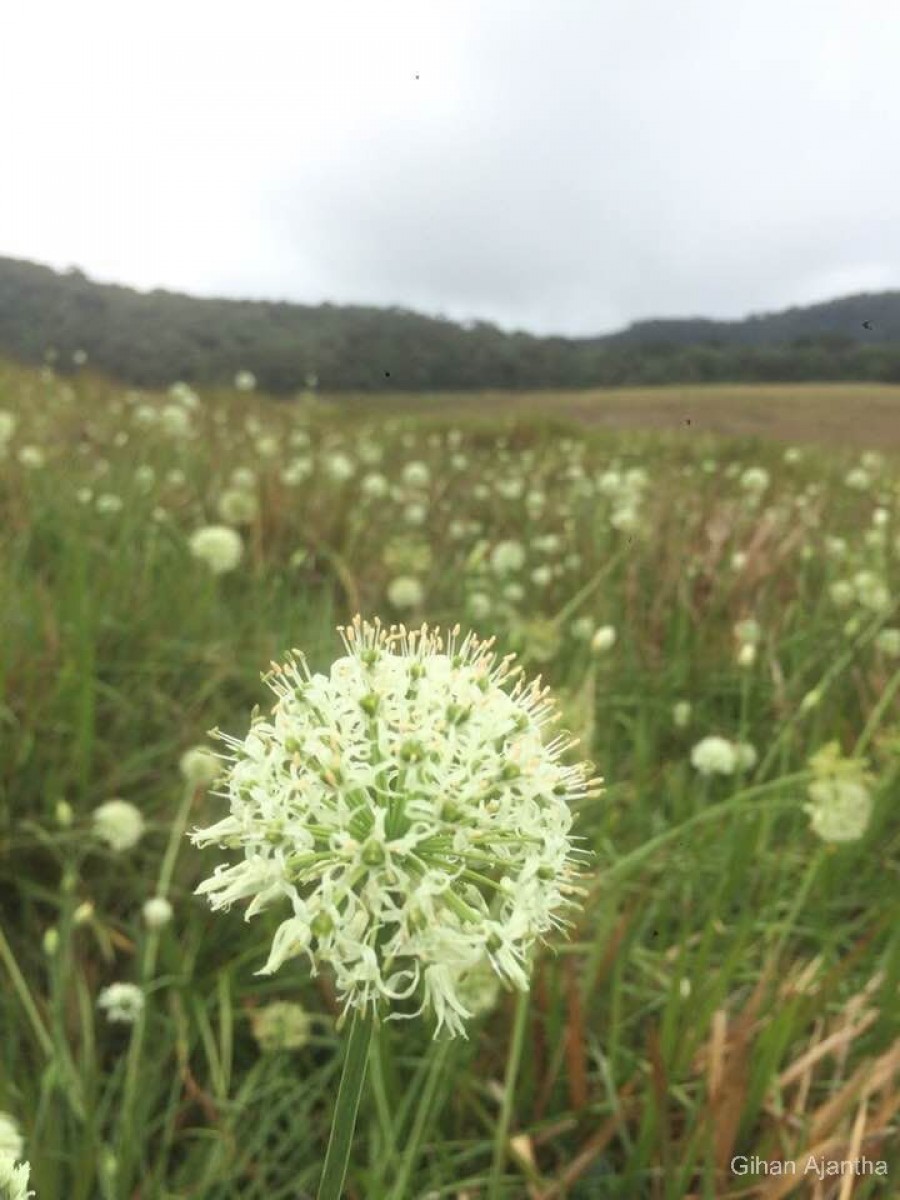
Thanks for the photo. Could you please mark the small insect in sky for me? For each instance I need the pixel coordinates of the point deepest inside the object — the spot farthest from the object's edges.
(867, 325)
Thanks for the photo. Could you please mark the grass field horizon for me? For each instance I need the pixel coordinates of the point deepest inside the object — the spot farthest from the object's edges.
(859, 414)
(716, 608)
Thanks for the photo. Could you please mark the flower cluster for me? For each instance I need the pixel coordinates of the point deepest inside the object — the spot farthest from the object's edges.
(122, 1002)
(840, 795)
(219, 546)
(14, 1179)
(716, 755)
(280, 1025)
(409, 809)
(118, 823)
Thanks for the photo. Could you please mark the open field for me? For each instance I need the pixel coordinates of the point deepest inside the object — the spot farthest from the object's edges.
(865, 415)
(727, 995)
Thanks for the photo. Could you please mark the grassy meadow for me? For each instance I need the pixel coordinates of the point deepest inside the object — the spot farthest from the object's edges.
(728, 995)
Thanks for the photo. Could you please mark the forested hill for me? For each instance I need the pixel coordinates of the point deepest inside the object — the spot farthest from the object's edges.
(151, 339)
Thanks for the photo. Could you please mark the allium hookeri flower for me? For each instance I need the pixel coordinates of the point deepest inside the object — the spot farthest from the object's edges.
(280, 1025)
(374, 486)
(218, 546)
(175, 421)
(416, 475)
(746, 655)
(604, 639)
(755, 480)
(339, 467)
(714, 755)
(122, 1002)
(11, 1140)
(407, 807)
(118, 823)
(14, 1178)
(888, 642)
(681, 713)
(157, 912)
(507, 556)
(243, 479)
(238, 507)
(200, 766)
(841, 800)
(32, 457)
(108, 503)
(405, 592)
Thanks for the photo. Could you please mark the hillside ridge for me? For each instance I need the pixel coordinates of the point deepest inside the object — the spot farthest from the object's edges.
(152, 338)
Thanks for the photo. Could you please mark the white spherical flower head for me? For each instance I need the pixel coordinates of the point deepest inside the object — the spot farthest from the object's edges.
(755, 480)
(374, 486)
(840, 795)
(339, 467)
(746, 655)
(416, 475)
(122, 1002)
(888, 642)
(840, 809)
(714, 755)
(604, 639)
(407, 807)
(238, 507)
(199, 766)
(745, 756)
(175, 421)
(32, 457)
(245, 381)
(243, 479)
(218, 546)
(281, 1026)
(13, 1178)
(405, 592)
(11, 1140)
(157, 912)
(681, 713)
(507, 557)
(118, 823)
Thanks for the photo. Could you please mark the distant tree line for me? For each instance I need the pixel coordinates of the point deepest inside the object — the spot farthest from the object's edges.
(152, 339)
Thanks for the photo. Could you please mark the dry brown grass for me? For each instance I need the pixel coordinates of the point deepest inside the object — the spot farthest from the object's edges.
(865, 415)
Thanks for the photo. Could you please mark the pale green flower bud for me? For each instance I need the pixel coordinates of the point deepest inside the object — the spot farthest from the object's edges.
(604, 639)
(157, 912)
(199, 766)
(119, 824)
(281, 1025)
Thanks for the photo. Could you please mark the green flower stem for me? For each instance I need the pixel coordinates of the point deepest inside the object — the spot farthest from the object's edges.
(126, 1138)
(834, 671)
(592, 584)
(815, 865)
(513, 1059)
(21, 988)
(424, 1110)
(349, 1092)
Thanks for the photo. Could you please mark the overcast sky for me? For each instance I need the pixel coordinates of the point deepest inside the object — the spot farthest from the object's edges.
(559, 166)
